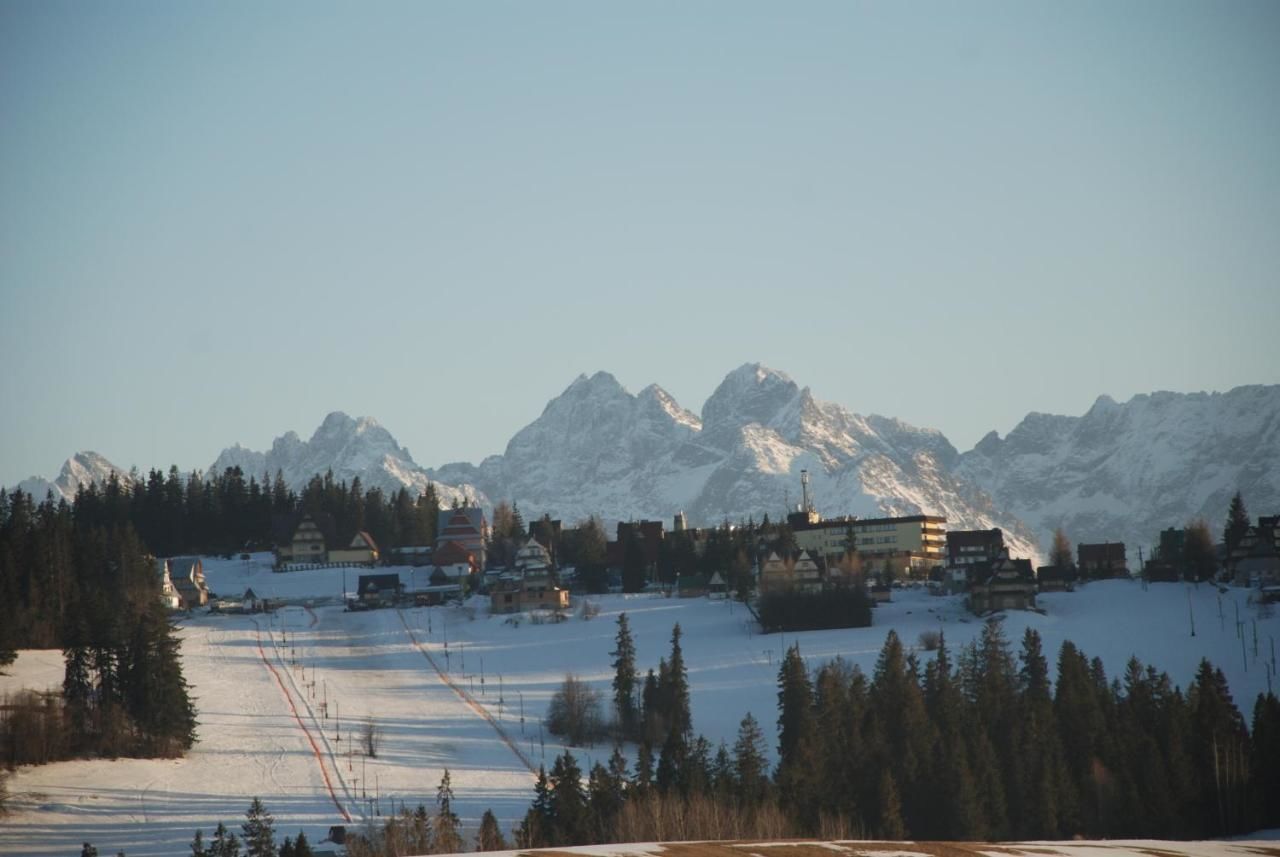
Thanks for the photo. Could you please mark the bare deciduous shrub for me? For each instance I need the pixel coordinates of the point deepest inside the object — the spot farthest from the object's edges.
(574, 712)
(930, 640)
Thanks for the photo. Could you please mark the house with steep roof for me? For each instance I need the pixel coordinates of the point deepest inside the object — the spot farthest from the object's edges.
(378, 590)
(1101, 561)
(1001, 584)
(467, 528)
(1255, 559)
(303, 538)
(187, 574)
(363, 550)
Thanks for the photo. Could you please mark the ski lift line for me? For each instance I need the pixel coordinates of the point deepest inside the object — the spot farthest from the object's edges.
(324, 738)
(467, 699)
(310, 740)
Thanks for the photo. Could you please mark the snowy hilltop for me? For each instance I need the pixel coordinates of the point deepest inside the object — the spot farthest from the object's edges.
(599, 449)
(81, 469)
(1125, 471)
(350, 448)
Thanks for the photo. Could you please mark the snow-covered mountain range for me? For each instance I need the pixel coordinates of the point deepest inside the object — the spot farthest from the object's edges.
(1121, 472)
(79, 470)
(598, 449)
(349, 447)
(1125, 471)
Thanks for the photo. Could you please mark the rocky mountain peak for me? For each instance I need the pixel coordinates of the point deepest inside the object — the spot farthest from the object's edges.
(752, 393)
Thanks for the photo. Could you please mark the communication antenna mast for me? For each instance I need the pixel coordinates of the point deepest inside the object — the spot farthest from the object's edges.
(807, 500)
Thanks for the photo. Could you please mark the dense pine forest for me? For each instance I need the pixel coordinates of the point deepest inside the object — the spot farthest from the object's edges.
(54, 569)
(980, 746)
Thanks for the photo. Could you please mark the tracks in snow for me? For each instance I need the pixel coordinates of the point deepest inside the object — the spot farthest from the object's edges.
(315, 748)
(467, 698)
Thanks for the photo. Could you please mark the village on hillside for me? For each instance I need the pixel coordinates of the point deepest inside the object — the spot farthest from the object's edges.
(523, 571)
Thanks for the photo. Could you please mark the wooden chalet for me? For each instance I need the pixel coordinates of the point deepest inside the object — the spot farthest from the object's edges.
(187, 575)
(362, 550)
(378, 590)
(1101, 561)
(1255, 559)
(1001, 584)
(1053, 578)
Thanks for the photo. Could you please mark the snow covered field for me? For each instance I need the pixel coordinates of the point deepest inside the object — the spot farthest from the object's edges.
(263, 730)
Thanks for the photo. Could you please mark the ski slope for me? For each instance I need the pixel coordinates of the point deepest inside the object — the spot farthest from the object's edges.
(446, 687)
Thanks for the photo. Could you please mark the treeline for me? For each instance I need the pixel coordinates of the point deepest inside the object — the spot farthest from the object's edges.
(979, 747)
(227, 512)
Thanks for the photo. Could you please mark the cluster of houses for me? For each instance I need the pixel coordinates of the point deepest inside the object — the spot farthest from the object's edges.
(975, 563)
(183, 587)
(1254, 560)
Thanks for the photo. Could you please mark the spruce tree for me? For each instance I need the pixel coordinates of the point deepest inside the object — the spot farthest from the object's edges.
(301, 847)
(570, 822)
(539, 822)
(624, 678)
(447, 825)
(1264, 761)
(890, 826)
(643, 779)
(1237, 522)
(676, 691)
(224, 843)
(198, 848)
(258, 831)
(750, 762)
(489, 837)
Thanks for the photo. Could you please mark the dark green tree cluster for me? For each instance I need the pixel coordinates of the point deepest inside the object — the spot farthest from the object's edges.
(76, 578)
(983, 746)
(227, 512)
(838, 607)
(986, 748)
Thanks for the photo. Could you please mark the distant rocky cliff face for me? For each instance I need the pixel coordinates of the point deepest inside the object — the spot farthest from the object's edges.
(1123, 472)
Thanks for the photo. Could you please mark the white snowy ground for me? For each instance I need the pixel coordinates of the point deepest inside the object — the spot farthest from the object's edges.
(379, 664)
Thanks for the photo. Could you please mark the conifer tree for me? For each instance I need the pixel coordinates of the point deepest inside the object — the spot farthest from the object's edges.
(539, 822)
(489, 837)
(258, 831)
(1264, 752)
(643, 779)
(198, 848)
(890, 823)
(301, 847)
(447, 825)
(624, 678)
(570, 822)
(224, 843)
(1237, 522)
(676, 691)
(750, 762)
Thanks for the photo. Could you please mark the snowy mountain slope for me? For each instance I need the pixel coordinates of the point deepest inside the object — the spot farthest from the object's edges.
(1123, 472)
(350, 448)
(79, 470)
(598, 449)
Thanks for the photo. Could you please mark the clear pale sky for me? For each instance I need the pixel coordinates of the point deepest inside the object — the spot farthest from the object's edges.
(220, 221)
